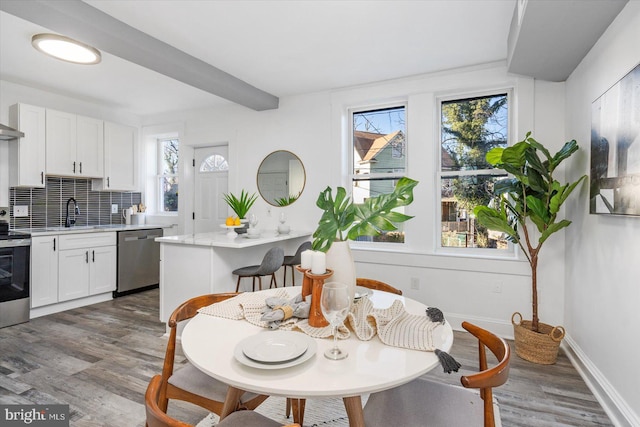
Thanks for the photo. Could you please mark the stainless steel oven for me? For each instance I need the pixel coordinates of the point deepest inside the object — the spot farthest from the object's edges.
(15, 251)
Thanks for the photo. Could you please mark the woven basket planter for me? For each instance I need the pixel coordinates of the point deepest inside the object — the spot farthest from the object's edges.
(537, 347)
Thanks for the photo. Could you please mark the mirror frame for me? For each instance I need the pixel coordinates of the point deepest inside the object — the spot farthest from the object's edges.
(304, 176)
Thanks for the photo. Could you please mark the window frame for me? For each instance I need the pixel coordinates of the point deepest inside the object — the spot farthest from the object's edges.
(351, 175)
(511, 251)
(161, 176)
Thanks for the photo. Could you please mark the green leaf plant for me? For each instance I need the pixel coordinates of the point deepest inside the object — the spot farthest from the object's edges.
(240, 205)
(344, 220)
(531, 197)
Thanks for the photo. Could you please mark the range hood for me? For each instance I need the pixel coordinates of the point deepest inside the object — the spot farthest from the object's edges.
(7, 133)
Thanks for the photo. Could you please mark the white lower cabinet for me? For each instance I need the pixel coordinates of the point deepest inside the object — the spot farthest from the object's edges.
(102, 270)
(87, 265)
(87, 271)
(71, 266)
(44, 270)
(73, 278)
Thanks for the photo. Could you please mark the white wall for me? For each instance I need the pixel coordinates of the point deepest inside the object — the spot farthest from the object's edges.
(603, 252)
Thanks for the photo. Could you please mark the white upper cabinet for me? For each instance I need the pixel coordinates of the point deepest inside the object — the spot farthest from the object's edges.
(90, 146)
(27, 155)
(120, 158)
(74, 145)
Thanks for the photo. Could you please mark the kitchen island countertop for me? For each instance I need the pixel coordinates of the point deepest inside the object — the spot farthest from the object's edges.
(221, 240)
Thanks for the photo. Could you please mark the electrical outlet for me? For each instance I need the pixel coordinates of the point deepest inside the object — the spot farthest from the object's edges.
(114, 208)
(20, 211)
(415, 283)
(496, 288)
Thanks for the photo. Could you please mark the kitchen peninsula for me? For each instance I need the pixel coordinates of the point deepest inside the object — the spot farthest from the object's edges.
(198, 264)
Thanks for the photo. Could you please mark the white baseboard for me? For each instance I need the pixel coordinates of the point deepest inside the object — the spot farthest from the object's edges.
(68, 305)
(497, 326)
(620, 413)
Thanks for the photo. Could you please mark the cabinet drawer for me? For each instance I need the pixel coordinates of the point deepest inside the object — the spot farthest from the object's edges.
(87, 240)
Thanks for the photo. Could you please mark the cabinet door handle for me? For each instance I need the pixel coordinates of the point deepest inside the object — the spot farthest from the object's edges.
(86, 257)
(108, 183)
(93, 256)
(41, 177)
(54, 244)
(74, 167)
(80, 167)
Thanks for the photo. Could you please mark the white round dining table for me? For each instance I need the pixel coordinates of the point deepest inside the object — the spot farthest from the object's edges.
(209, 342)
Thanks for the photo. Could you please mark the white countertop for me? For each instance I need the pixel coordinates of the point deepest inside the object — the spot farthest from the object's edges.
(86, 229)
(220, 239)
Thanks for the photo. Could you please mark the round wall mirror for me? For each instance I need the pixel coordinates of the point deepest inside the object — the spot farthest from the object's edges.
(281, 178)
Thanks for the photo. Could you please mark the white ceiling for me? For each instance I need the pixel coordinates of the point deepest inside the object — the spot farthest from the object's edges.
(287, 47)
(281, 47)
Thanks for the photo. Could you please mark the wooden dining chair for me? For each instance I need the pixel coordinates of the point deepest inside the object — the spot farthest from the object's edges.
(156, 417)
(189, 383)
(271, 263)
(430, 403)
(377, 285)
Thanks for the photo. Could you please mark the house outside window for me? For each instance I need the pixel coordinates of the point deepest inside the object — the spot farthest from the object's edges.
(379, 157)
(168, 175)
(469, 128)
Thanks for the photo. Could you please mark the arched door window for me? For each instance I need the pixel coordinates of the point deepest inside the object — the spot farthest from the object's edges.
(214, 163)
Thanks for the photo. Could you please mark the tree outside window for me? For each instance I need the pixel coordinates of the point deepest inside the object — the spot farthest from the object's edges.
(379, 157)
(469, 129)
(168, 174)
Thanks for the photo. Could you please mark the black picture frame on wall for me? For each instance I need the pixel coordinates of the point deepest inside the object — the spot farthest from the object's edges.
(615, 149)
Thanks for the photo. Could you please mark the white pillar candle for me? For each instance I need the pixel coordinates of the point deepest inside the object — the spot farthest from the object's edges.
(319, 263)
(305, 259)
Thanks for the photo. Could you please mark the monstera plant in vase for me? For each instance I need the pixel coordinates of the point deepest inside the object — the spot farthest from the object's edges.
(342, 220)
(241, 205)
(526, 210)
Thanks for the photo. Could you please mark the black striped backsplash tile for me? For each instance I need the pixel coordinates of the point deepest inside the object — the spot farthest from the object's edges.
(48, 206)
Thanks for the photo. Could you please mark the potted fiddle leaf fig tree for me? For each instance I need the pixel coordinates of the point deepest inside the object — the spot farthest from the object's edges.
(343, 220)
(526, 210)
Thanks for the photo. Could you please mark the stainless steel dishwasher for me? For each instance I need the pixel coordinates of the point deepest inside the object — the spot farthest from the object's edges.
(138, 260)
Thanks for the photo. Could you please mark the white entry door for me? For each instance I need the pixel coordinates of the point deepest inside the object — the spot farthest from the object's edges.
(211, 182)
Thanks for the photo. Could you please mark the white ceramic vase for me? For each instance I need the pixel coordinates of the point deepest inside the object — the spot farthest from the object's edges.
(340, 260)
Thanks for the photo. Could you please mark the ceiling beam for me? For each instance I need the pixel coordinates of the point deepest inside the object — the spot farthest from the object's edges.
(548, 39)
(78, 20)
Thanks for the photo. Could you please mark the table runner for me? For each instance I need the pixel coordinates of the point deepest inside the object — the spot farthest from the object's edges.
(393, 325)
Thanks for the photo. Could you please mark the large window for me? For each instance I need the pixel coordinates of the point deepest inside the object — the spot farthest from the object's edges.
(469, 128)
(168, 175)
(379, 157)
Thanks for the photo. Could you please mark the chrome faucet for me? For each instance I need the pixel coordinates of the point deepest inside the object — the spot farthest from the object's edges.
(69, 222)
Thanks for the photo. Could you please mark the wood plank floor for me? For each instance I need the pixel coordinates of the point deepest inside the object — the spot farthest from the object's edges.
(99, 359)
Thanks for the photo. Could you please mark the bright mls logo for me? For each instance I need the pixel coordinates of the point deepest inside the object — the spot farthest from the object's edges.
(34, 415)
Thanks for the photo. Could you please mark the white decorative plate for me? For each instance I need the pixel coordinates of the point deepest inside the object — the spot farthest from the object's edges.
(277, 349)
(274, 347)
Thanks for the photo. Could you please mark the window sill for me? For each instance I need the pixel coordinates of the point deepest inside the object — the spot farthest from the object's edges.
(404, 257)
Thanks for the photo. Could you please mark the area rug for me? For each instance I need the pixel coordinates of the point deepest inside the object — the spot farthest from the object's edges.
(326, 412)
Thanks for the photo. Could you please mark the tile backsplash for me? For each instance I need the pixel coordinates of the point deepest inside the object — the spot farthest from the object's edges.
(47, 206)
